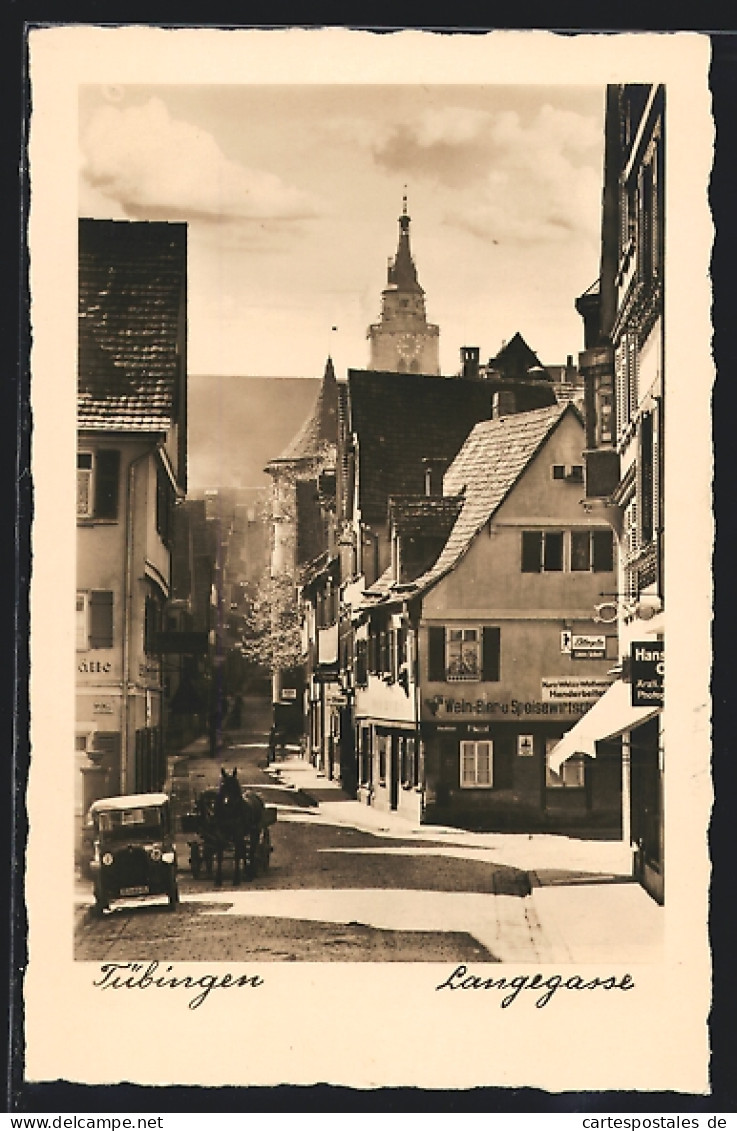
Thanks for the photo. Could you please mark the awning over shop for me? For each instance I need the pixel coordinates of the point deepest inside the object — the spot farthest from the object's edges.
(609, 717)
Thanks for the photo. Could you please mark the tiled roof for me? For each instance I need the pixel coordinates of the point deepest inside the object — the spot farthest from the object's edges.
(487, 467)
(320, 429)
(401, 419)
(417, 514)
(132, 285)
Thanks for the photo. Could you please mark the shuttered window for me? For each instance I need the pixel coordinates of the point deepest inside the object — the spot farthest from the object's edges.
(436, 653)
(532, 542)
(361, 663)
(100, 605)
(491, 654)
(476, 768)
(107, 476)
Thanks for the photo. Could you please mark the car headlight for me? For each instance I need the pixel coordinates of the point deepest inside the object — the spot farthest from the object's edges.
(107, 858)
(155, 852)
(168, 857)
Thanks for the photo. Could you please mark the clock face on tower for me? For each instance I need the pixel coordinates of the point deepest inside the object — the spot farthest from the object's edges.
(408, 347)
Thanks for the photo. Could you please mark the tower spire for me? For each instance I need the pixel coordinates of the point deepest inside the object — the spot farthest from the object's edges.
(402, 272)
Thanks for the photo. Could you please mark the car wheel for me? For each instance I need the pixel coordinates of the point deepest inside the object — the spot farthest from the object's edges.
(173, 895)
(101, 905)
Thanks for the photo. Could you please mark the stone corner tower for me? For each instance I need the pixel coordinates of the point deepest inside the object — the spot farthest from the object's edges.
(403, 341)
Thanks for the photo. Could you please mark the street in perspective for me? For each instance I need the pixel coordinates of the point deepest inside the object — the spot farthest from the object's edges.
(370, 661)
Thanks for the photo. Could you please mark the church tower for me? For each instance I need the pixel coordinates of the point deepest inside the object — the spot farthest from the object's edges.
(403, 341)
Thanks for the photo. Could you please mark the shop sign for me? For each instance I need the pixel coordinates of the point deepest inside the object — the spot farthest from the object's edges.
(573, 689)
(588, 647)
(85, 666)
(647, 666)
(289, 694)
(441, 706)
(102, 708)
(525, 746)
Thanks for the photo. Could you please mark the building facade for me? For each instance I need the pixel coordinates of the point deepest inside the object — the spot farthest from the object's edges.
(623, 364)
(469, 669)
(131, 468)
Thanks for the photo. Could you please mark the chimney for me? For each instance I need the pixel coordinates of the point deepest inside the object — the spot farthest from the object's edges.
(503, 403)
(469, 361)
(434, 468)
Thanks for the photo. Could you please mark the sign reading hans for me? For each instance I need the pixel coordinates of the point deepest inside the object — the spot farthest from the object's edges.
(647, 659)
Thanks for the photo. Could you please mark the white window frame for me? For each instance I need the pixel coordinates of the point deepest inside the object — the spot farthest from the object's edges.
(85, 475)
(449, 642)
(82, 621)
(469, 749)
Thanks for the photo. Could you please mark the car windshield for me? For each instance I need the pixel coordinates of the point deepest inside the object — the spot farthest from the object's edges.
(141, 821)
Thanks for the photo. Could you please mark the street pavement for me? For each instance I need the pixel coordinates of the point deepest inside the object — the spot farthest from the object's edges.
(583, 905)
(536, 898)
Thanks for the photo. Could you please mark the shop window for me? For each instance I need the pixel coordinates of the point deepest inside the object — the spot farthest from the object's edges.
(542, 551)
(382, 742)
(365, 757)
(94, 627)
(409, 762)
(477, 765)
(570, 774)
(592, 550)
(98, 475)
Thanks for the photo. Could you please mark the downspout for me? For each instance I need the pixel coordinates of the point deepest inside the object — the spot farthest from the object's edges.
(127, 608)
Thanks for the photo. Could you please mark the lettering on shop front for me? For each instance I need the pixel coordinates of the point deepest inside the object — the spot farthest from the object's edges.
(515, 708)
(94, 667)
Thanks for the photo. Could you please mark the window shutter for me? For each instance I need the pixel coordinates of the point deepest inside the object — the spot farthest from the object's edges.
(373, 642)
(101, 619)
(531, 551)
(361, 662)
(491, 653)
(553, 551)
(107, 474)
(603, 551)
(436, 653)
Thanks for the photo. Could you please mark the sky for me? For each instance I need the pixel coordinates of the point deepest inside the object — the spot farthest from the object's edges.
(292, 196)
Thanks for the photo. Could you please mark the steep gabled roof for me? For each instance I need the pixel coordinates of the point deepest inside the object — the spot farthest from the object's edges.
(490, 463)
(516, 359)
(320, 429)
(132, 286)
(399, 421)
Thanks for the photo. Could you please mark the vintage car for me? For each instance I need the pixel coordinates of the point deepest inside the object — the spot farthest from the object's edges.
(133, 851)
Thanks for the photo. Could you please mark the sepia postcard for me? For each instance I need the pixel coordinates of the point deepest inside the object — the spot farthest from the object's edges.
(371, 389)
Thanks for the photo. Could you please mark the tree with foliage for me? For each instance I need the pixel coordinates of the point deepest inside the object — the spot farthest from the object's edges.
(273, 635)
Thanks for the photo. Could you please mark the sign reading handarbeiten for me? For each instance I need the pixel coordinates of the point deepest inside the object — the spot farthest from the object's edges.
(647, 659)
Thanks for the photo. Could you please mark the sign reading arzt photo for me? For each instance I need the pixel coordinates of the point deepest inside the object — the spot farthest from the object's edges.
(647, 658)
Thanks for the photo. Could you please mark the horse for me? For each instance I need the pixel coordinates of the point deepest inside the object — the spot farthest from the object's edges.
(237, 822)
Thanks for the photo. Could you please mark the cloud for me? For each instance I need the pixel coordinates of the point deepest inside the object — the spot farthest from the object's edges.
(155, 166)
(518, 180)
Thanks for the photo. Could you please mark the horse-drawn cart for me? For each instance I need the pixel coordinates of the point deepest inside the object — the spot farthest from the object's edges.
(229, 822)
